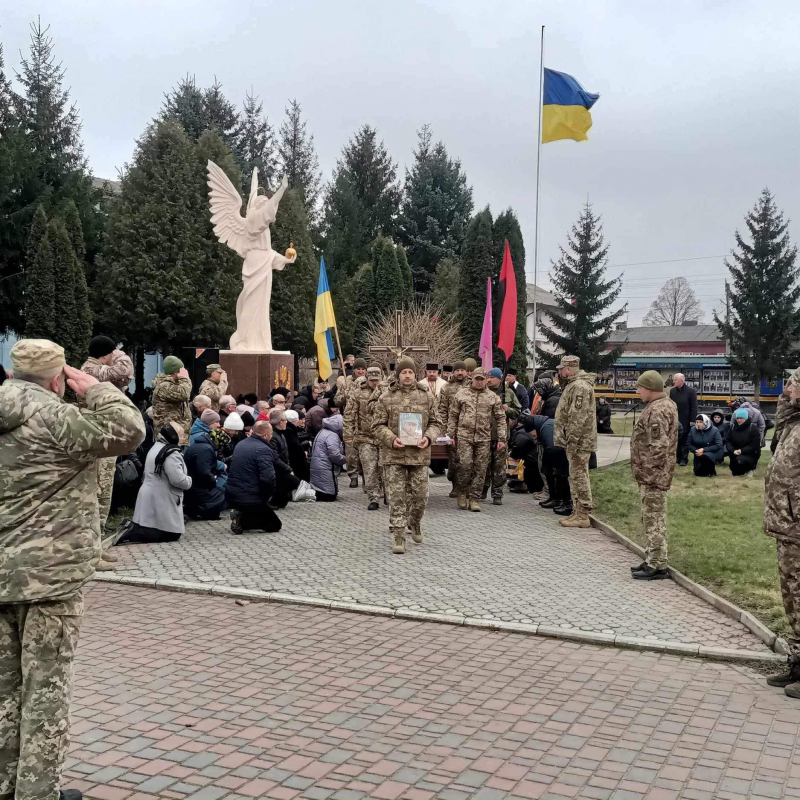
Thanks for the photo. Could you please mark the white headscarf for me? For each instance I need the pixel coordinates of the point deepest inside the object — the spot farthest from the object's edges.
(706, 421)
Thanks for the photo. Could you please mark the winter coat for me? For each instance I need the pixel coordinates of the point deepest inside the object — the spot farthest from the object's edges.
(522, 444)
(756, 417)
(160, 501)
(709, 440)
(171, 403)
(315, 416)
(251, 474)
(509, 398)
(544, 397)
(327, 456)
(199, 428)
(724, 427)
(120, 372)
(744, 437)
(203, 499)
(279, 447)
(304, 398)
(522, 395)
(546, 430)
(396, 400)
(223, 444)
(298, 460)
(685, 400)
(447, 396)
(653, 444)
(782, 492)
(603, 411)
(214, 391)
(476, 415)
(49, 523)
(358, 415)
(576, 422)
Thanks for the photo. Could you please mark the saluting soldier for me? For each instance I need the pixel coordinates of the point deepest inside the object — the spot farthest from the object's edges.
(215, 385)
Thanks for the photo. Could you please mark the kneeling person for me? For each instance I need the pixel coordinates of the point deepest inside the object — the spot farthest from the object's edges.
(405, 466)
(653, 441)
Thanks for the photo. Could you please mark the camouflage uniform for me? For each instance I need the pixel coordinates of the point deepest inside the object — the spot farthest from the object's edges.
(782, 412)
(120, 373)
(496, 474)
(340, 400)
(782, 518)
(445, 398)
(405, 469)
(576, 432)
(171, 404)
(358, 435)
(475, 417)
(653, 443)
(49, 543)
(214, 391)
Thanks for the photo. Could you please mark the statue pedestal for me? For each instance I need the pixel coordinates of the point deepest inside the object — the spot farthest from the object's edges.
(257, 372)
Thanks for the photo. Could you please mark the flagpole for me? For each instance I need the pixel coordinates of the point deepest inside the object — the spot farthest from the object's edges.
(538, 192)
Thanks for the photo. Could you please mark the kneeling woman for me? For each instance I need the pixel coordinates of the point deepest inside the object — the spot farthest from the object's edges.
(705, 441)
(159, 506)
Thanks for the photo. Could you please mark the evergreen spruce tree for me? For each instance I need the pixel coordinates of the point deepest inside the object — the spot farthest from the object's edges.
(764, 323)
(436, 208)
(446, 286)
(64, 274)
(361, 201)
(294, 289)
(221, 115)
(256, 145)
(40, 313)
(478, 263)
(506, 226)
(405, 271)
(84, 320)
(355, 307)
(583, 294)
(389, 292)
(297, 158)
(37, 232)
(72, 222)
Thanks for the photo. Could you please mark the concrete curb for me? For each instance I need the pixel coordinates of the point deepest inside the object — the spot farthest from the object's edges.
(767, 636)
(411, 615)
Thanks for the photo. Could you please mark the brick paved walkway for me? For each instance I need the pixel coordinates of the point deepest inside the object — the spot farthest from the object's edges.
(188, 696)
(513, 563)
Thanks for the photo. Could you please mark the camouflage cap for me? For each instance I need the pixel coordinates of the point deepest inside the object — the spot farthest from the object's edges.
(569, 361)
(479, 372)
(37, 356)
(212, 368)
(374, 373)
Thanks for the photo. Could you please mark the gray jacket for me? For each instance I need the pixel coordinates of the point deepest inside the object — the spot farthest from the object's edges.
(160, 501)
(327, 455)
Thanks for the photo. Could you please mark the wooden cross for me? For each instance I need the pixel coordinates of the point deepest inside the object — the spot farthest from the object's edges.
(399, 349)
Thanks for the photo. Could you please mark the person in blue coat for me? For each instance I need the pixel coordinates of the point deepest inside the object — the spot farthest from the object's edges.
(705, 441)
(205, 499)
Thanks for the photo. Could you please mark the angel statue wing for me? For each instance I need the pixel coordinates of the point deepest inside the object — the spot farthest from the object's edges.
(230, 226)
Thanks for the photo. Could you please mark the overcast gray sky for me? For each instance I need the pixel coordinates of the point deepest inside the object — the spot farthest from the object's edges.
(698, 109)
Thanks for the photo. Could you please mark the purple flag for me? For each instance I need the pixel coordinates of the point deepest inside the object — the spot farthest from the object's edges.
(485, 347)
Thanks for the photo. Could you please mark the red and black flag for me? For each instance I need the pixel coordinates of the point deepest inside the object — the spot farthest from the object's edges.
(507, 302)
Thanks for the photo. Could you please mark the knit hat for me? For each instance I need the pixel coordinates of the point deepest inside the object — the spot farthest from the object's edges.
(101, 346)
(233, 422)
(359, 363)
(38, 356)
(494, 372)
(172, 364)
(251, 397)
(470, 364)
(247, 419)
(651, 380)
(209, 417)
(459, 365)
(740, 413)
(406, 363)
(291, 416)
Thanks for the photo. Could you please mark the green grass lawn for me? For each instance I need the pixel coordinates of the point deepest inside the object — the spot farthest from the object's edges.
(715, 532)
(622, 426)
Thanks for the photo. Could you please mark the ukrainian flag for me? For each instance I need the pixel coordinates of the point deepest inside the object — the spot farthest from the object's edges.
(565, 111)
(323, 323)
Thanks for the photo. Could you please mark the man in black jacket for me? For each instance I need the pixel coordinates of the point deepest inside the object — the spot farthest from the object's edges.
(519, 390)
(686, 399)
(285, 480)
(251, 482)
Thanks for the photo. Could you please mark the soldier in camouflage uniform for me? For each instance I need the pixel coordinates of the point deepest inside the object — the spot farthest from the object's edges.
(653, 443)
(171, 392)
(358, 432)
(496, 474)
(782, 522)
(340, 401)
(458, 381)
(49, 543)
(215, 385)
(405, 468)
(576, 432)
(475, 413)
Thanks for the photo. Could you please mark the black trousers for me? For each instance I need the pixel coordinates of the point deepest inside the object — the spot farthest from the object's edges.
(258, 518)
(556, 471)
(742, 464)
(325, 498)
(704, 467)
(285, 484)
(682, 451)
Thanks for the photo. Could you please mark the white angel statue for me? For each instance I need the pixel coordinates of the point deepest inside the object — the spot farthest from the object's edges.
(249, 237)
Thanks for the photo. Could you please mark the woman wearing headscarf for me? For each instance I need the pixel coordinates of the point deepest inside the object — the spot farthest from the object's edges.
(159, 507)
(744, 444)
(705, 441)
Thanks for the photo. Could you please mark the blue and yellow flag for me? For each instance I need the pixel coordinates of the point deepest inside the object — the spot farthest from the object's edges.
(323, 323)
(565, 111)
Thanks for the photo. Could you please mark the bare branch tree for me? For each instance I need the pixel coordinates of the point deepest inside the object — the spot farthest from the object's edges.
(676, 303)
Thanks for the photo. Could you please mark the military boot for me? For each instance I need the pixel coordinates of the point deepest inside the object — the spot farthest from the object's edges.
(473, 505)
(399, 546)
(354, 482)
(793, 691)
(580, 519)
(453, 493)
(416, 533)
(462, 502)
(373, 506)
(497, 501)
(790, 675)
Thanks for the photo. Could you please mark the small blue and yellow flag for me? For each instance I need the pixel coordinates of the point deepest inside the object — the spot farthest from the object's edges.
(565, 111)
(324, 322)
